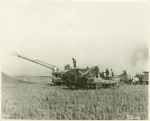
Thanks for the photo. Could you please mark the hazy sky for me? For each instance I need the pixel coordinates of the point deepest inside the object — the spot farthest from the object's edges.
(107, 34)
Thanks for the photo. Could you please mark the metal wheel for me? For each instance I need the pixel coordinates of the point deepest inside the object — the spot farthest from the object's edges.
(57, 83)
(111, 86)
(117, 85)
(101, 86)
(88, 86)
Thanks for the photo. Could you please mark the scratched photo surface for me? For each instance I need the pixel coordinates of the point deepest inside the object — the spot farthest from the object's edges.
(75, 60)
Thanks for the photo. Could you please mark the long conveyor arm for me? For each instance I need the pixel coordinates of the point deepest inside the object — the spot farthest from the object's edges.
(37, 62)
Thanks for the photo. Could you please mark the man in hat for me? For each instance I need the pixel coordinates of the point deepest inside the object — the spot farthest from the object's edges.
(103, 75)
(74, 62)
(97, 71)
(107, 73)
(124, 72)
(112, 73)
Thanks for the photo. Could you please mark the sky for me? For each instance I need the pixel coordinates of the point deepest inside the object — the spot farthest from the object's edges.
(105, 34)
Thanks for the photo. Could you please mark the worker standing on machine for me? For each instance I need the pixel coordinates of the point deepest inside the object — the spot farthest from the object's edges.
(112, 73)
(74, 62)
(107, 73)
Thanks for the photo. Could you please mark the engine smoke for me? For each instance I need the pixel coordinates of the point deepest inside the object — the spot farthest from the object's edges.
(139, 53)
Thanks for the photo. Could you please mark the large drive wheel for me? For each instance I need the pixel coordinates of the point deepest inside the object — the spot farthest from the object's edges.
(58, 83)
(100, 86)
(88, 86)
(111, 86)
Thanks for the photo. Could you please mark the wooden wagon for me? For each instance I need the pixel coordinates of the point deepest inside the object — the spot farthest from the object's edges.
(99, 83)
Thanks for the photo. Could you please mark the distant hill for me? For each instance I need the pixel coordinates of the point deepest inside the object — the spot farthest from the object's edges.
(8, 80)
(35, 79)
(26, 79)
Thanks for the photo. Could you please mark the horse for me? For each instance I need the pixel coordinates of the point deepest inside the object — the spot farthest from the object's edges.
(129, 81)
(135, 80)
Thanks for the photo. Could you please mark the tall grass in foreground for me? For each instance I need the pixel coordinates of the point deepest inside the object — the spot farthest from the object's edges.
(33, 101)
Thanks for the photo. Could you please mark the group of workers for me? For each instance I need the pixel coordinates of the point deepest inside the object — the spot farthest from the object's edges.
(106, 74)
(101, 74)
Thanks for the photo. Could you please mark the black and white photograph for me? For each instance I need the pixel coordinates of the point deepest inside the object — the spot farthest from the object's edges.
(75, 60)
